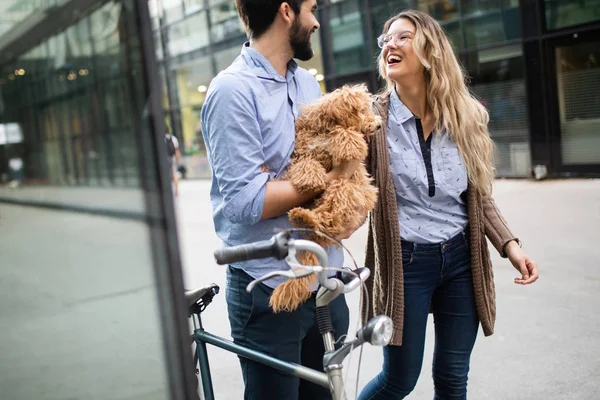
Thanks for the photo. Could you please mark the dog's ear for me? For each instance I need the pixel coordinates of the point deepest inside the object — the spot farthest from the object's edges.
(334, 108)
(345, 103)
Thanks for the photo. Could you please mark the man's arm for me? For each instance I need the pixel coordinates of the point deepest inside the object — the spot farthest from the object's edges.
(235, 145)
(282, 196)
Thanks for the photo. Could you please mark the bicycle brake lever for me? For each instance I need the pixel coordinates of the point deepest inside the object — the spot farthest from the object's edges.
(291, 274)
(294, 264)
(286, 274)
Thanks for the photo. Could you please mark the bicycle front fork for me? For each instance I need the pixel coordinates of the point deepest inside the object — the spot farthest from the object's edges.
(333, 370)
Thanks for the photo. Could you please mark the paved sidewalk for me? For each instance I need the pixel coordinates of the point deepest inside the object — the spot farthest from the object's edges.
(547, 340)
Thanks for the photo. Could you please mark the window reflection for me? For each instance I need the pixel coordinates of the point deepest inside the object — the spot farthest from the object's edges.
(224, 21)
(71, 123)
(446, 13)
(188, 34)
(561, 14)
(72, 99)
(498, 81)
(578, 80)
(348, 37)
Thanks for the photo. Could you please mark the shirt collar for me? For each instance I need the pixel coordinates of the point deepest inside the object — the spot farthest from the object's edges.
(251, 56)
(401, 112)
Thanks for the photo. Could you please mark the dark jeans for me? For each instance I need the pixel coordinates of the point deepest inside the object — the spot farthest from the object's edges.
(436, 277)
(288, 336)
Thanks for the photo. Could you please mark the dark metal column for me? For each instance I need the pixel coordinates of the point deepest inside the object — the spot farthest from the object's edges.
(536, 71)
(156, 182)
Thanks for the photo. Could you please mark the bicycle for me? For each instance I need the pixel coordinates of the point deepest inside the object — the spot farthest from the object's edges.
(377, 331)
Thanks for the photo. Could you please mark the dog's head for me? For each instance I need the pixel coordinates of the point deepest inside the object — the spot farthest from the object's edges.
(346, 107)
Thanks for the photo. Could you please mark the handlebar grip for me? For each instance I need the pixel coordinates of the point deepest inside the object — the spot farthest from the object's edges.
(276, 247)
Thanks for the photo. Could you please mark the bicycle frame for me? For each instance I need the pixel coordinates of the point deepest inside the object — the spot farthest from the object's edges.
(202, 337)
(330, 288)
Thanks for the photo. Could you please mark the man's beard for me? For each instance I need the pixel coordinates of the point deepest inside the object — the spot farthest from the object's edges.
(300, 42)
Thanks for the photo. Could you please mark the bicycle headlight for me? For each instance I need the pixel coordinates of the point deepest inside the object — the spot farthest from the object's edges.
(379, 330)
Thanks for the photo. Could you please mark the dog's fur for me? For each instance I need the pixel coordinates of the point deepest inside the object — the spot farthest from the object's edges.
(330, 131)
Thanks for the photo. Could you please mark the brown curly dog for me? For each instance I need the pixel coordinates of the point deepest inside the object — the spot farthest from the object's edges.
(330, 131)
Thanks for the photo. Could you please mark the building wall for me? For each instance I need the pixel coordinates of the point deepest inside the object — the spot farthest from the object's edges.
(206, 35)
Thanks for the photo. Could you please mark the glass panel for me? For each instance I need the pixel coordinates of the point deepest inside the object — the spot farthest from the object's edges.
(578, 80)
(105, 32)
(348, 37)
(192, 81)
(189, 34)
(561, 14)
(498, 82)
(489, 22)
(80, 311)
(446, 13)
(192, 5)
(173, 10)
(18, 12)
(154, 7)
(224, 58)
(225, 22)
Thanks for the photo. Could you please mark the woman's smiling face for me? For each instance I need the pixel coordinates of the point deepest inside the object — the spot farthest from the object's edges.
(400, 60)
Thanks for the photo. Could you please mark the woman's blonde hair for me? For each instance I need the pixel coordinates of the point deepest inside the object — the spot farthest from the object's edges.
(454, 107)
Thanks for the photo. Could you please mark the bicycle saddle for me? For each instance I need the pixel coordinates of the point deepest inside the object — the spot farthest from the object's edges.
(192, 296)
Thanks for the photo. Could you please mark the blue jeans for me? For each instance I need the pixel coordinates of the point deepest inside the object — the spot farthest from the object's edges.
(437, 277)
(290, 337)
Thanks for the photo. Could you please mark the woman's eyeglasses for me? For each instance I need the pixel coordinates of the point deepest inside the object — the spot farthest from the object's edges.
(399, 38)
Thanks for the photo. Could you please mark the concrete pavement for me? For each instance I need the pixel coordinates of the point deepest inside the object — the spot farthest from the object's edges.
(547, 340)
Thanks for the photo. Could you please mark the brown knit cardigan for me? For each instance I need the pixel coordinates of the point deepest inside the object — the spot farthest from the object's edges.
(384, 255)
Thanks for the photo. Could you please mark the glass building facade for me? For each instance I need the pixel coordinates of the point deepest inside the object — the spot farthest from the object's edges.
(90, 274)
(491, 37)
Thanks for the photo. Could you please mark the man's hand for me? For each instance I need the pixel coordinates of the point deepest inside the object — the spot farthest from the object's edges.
(521, 261)
(282, 196)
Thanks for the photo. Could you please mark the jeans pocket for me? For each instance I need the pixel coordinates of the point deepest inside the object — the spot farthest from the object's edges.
(408, 256)
(240, 303)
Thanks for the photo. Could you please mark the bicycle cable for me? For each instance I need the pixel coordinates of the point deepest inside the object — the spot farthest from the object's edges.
(363, 298)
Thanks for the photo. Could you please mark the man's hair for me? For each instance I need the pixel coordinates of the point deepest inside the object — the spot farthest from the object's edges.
(258, 15)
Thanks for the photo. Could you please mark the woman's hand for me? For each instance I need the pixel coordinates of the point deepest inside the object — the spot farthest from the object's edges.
(521, 261)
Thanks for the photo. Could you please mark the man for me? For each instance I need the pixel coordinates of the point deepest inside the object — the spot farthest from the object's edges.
(173, 154)
(248, 127)
(15, 166)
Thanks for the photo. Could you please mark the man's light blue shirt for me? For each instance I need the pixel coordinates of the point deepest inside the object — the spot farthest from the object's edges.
(248, 125)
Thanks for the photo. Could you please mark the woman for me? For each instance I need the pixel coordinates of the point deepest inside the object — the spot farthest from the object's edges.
(431, 161)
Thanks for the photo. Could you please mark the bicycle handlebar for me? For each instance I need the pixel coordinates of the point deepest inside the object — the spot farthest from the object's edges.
(282, 246)
(276, 247)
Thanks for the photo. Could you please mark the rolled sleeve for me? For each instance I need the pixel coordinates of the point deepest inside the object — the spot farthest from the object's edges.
(496, 228)
(240, 209)
(235, 147)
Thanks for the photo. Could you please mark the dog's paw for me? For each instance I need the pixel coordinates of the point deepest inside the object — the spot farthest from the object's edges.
(303, 218)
